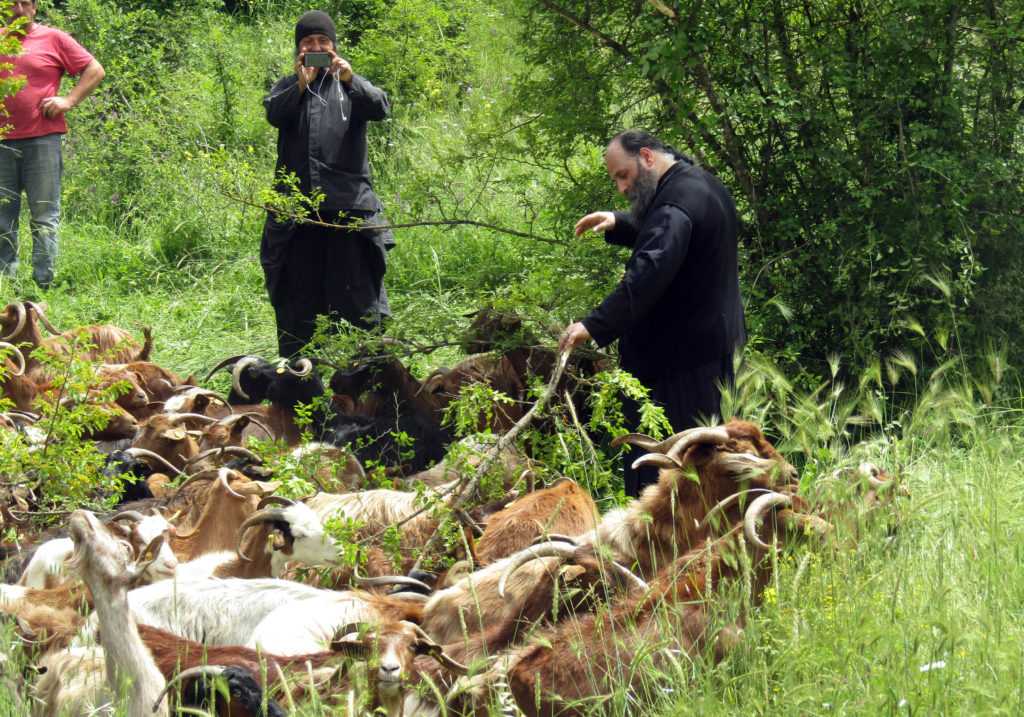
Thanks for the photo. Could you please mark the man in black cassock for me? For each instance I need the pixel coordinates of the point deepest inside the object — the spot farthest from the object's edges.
(321, 114)
(677, 311)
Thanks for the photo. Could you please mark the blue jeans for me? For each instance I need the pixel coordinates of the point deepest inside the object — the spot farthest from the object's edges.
(35, 165)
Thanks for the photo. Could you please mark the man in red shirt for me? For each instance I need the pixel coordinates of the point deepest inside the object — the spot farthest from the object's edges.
(30, 152)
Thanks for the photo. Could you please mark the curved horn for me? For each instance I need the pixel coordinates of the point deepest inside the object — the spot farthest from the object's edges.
(209, 474)
(257, 517)
(225, 362)
(544, 550)
(236, 374)
(388, 580)
(303, 367)
(222, 477)
(761, 505)
(694, 436)
(224, 450)
(655, 459)
(274, 500)
(868, 471)
(641, 440)
(126, 515)
(41, 315)
(146, 453)
(629, 577)
(15, 353)
(22, 317)
(556, 538)
(198, 671)
(721, 506)
(179, 417)
(228, 420)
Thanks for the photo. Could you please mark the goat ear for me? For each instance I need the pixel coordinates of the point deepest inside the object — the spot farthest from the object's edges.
(119, 529)
(174, 434)
(351, 648)
(568, 573)
(277, 539)
(428, 647)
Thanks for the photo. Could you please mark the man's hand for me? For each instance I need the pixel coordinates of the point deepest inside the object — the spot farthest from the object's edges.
(305, 74)
(341, 69)
(598, 221)
(573, 336)
(53, 107)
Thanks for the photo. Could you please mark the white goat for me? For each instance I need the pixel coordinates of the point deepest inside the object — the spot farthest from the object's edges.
(101, 560)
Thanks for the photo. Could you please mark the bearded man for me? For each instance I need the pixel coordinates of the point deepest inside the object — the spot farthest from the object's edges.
(677, 311)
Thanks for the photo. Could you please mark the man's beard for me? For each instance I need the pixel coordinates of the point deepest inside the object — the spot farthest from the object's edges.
(641, 194)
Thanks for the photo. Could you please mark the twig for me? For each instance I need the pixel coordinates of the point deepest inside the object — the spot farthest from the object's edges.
(442, 223)
(472, 487)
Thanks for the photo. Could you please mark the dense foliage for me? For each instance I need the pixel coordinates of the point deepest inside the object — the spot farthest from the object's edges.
(874, 148)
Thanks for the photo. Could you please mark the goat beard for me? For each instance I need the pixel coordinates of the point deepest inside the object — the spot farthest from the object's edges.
(641, 194)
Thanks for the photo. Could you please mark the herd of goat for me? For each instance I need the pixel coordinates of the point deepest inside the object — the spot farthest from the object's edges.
(204, 578)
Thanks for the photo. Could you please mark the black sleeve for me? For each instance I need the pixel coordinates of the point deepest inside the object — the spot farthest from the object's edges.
(283, 102)
(370, 102)
(624, 232)
(659, 253)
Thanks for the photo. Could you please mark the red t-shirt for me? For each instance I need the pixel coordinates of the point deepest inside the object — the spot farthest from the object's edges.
(47, 53)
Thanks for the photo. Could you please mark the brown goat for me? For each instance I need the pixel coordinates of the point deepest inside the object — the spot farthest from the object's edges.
(564, 508)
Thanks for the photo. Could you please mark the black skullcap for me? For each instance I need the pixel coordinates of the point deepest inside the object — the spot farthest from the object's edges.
(315, 22)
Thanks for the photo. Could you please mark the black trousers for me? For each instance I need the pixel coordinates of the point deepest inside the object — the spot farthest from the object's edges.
(690, 398)
(327, 272)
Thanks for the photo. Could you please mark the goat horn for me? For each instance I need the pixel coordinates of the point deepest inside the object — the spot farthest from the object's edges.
(629, 576)
(694, 436)
(756, 512)
(208, 474)
(641, 440)
(146, 453)
(868, 471)
(126, 515)
(257, 517)
(225, 362)
(236, 374)
(41, 315)
(721, 505)
(302, 368)
(179, 417)
(274, 500)
(555, 538)
(228, 420)
(655, 459)
(198, 671)
(222, 477)
(22, 316)
(544, 550)
(388, 580)
(15, 353)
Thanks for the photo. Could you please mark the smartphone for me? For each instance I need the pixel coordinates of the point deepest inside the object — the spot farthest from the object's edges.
(317, 59)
